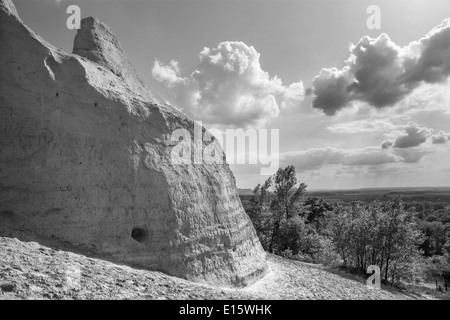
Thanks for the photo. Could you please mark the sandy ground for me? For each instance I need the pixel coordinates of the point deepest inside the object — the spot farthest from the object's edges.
(29, 270)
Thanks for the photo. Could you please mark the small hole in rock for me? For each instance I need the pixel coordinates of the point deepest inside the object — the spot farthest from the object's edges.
(57, 94)
(8, 287)
(7, 213)
(139, 234)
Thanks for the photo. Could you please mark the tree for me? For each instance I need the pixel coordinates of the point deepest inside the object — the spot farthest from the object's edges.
(377, 234)
(269, 211)
(259, 212)
(435, 237)
(314, 210)
(287, 199)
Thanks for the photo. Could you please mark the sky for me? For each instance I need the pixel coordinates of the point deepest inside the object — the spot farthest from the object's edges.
(355, 107)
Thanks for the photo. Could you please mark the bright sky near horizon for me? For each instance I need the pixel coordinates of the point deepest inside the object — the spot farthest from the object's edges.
(380, 119)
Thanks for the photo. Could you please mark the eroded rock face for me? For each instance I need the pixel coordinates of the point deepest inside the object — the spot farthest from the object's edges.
(85, 159)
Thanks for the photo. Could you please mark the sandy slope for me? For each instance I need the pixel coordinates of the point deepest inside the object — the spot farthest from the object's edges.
(29, 270)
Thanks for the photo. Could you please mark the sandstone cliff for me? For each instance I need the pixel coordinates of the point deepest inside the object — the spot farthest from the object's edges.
(85, 160)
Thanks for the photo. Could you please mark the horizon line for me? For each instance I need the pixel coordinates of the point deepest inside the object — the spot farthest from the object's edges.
(366, 188)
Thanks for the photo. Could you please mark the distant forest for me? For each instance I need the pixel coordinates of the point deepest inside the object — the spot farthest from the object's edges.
(406, 232)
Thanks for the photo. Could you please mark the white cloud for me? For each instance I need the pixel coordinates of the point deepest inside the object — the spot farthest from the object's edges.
(168, 74)
(413, 136)
(381, 73)
(440, 138)
(229, 87)
(387, 144)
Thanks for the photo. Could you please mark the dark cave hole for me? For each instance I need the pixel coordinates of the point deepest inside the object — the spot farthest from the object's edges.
(139, 234)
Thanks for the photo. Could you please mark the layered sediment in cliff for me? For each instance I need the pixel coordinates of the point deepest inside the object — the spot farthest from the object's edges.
(86, 159)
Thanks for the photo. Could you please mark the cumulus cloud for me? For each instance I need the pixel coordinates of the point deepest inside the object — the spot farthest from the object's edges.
(169, 74)
(381, 73)
(387, 144)
(331, 90)
(412, 136)
(229, 87)
(440, 138)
